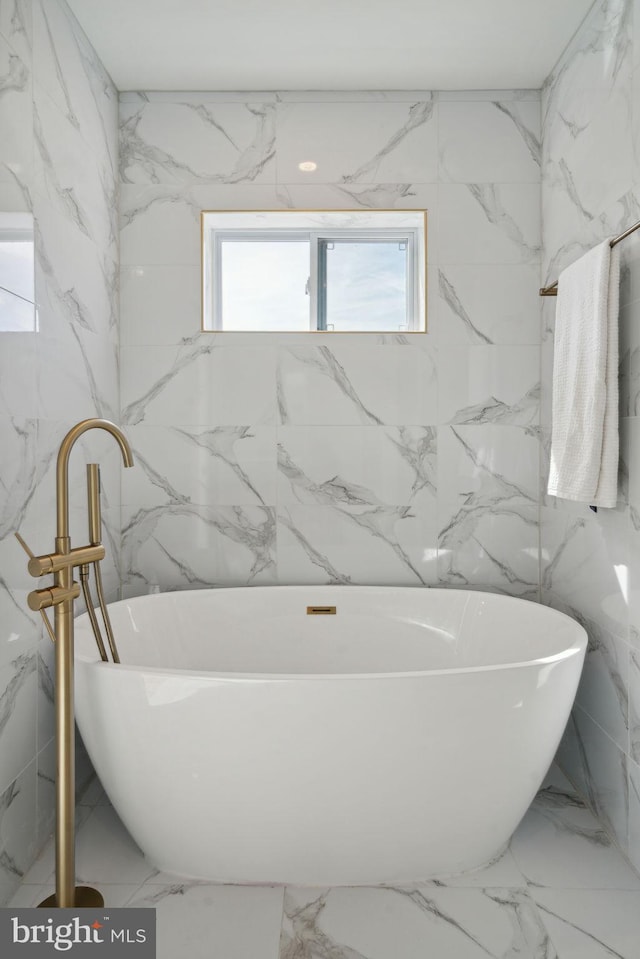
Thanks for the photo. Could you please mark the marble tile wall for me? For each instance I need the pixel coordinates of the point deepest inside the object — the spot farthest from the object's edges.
(58, 161)
(282, 458)
(591, 563)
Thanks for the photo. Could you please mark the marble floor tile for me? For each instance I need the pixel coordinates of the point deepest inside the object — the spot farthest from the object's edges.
(561, 844)
(203, 921)
(106, 853)
(115, 894)
(501, 872)
(561, 890)
(412, 923)
(43, 868)
(591, 923)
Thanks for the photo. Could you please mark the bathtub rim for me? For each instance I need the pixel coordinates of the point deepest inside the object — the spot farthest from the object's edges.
(579, 644)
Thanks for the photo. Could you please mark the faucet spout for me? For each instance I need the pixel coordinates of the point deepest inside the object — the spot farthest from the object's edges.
(62, 468)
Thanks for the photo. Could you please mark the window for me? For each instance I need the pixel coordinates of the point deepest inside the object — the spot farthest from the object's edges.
(17, 308)
(321, 272)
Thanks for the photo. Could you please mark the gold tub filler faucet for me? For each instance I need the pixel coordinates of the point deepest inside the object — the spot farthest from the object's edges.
(61, 596)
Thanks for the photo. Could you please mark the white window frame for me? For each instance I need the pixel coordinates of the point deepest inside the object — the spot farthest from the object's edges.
(315, 228)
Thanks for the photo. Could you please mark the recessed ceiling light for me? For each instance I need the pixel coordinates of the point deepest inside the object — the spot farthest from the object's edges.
(308, 166)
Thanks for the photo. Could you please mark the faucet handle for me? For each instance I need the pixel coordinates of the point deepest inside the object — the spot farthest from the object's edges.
(24, 545)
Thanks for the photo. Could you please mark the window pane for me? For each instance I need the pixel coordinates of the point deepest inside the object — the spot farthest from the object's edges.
(264, 285)
(366, 285)
(17, 310)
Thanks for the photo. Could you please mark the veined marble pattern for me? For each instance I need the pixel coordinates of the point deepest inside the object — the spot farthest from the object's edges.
(367, 386)
(228, 465)
(489, 384)
(488, 304)
(563, 892)
(70, 73)
(16, 108)
(185, 546)
(87, 198)
(341, 544)
(489, 223)
(199, 383)
(361, 485)
(58, 113)
(17, 828)
(581, 133)
(379, 142)
(357, 466)
(489, 142)
(196, 142)
(489, 497)
(16, 25)
(578, 570)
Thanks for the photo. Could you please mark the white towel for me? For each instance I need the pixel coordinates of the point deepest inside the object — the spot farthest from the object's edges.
(584, 431)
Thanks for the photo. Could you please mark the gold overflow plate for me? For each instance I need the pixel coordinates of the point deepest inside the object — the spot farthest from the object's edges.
(321, 611)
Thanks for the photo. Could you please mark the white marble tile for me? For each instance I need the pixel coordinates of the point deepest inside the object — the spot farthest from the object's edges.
(487, 508)
(16, 115)
(67, 69)
(187, 142)
(634, 815)
(159, 304)
(633, 748)
(29, 896)
(76, 282)
(489, 223)
(489, 384)
(357, 465)
(16, 25)
(18, 378)
(590, 924)
(21, 472)
(45, 794)
(189, 547)
(204, 921)
(503, 873)
(94, 794)
(488, 465)
(378, 142)
(490, 142)
(412, 922)
(105, 851)
(585, 563)
(159, 225)
(198, 383)
(114, 894)
(17, 828)
(372, 385)
(586, 133)
(607, 777)
(18, 691)
(560, 844)
(453, 96)
(82, 382)
(78, 182)
(45, 718)
(357, 194)
(487, 304)
(223, 465)
(604, 690)
(488, 546)
(389, 545)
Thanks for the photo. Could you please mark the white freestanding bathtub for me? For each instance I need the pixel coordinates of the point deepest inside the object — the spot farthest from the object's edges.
(400, 739)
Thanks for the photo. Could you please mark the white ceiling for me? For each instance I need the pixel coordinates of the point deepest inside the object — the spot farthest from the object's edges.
(329, 45)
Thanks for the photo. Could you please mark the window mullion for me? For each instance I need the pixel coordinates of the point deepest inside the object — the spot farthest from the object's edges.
(314, 294)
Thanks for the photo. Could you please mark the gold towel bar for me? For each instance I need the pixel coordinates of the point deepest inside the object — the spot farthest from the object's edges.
(552, 290)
